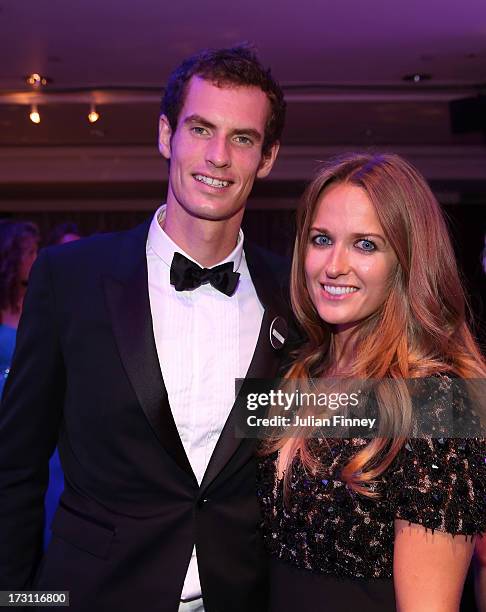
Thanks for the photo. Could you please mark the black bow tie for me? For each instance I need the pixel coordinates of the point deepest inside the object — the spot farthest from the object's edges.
(185, 274)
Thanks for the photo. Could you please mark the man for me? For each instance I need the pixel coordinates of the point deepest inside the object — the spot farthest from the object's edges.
(127, 355)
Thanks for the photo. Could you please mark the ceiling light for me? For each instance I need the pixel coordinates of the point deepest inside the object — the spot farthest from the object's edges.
(93, 116)
(34, 114)
(417, 77)
(36, 80)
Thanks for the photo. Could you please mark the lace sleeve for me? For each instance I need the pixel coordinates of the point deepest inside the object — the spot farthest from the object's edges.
(441, 484)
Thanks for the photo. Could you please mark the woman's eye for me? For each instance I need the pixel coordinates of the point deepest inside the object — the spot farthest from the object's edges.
(321, 240)
(366, 245)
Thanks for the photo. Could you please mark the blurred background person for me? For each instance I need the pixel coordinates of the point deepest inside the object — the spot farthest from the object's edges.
(19, 243)
(63, 233)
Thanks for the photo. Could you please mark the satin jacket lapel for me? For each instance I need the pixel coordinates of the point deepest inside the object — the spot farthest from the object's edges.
(129, 307)
(264, 364)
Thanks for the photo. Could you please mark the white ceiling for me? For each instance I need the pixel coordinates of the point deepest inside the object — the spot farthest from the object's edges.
(123, 42)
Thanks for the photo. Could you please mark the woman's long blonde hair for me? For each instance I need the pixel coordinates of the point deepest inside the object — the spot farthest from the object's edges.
(421, 328)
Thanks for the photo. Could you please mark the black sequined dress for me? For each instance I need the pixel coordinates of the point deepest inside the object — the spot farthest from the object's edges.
(331, 549)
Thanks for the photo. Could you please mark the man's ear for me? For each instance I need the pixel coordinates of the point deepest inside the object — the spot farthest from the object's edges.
(267, 161)
(165, 134)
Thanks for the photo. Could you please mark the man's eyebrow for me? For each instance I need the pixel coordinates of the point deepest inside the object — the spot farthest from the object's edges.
(251, 132)
(199, 120)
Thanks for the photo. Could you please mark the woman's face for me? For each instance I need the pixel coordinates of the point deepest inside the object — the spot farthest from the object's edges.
(349, 263)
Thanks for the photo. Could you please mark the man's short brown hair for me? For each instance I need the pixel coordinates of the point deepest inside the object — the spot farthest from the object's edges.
(238, 66)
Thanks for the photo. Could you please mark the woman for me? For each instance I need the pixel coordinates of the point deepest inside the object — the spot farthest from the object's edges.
(19, 242)
(376, 289)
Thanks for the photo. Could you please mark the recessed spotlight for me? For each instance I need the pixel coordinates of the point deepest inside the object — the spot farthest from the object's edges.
(93, 115)
(36, 80)
(34, 114)
(417, 77)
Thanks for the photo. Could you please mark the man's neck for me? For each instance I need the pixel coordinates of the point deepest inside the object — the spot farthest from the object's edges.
(207, 242)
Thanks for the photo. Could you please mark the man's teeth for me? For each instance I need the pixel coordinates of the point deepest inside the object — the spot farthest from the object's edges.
(211, 181)
(339, 290)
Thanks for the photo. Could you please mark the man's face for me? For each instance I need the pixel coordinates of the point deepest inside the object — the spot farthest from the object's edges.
(216, 150)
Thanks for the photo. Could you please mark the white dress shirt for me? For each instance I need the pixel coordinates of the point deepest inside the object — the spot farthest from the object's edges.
(205, 340)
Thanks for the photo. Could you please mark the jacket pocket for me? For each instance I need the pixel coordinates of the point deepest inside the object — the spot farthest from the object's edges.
(82, 531)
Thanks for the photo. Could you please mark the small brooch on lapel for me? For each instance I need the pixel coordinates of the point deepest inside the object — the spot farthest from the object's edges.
(278, 332)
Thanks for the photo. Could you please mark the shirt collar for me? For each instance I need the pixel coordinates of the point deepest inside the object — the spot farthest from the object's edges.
(164, 247)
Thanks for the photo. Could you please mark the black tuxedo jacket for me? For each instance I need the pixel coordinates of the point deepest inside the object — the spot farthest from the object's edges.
(86, 375)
